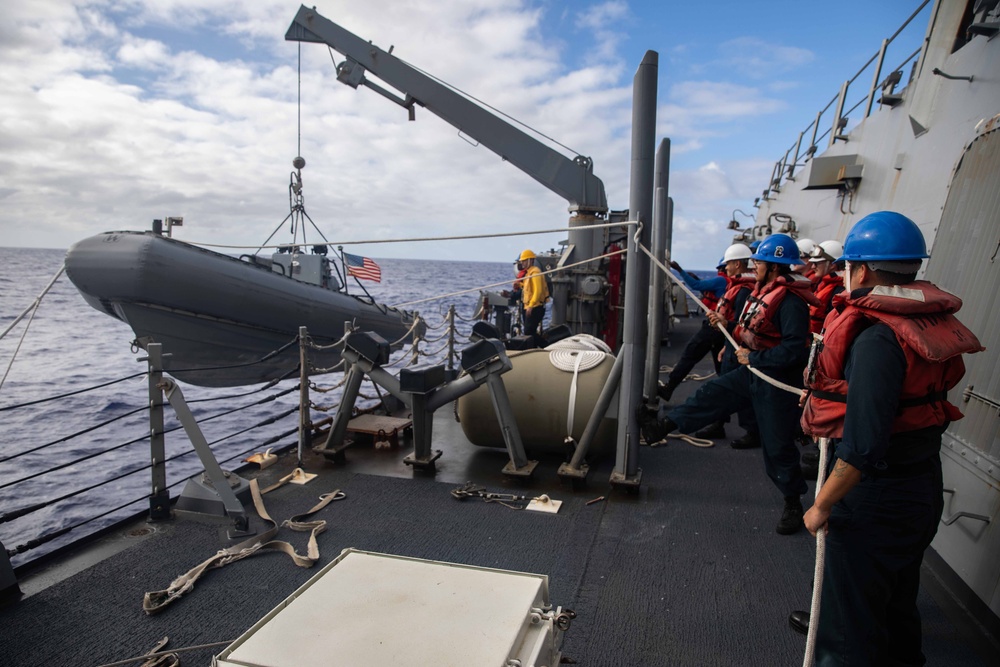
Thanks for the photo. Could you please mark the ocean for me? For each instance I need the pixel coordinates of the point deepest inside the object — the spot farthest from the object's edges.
(70, 346)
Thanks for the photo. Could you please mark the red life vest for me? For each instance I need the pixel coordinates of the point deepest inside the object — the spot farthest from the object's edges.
(824, 293)
(711, 299)
(740, 282)
(933, 342)
(757, 329)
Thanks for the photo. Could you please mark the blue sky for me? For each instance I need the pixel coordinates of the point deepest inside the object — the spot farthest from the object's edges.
(116, 112)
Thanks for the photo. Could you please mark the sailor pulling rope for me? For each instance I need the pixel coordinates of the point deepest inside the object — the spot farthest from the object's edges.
(823, 445)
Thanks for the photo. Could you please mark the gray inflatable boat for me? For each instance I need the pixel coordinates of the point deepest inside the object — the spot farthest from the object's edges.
(217, 316)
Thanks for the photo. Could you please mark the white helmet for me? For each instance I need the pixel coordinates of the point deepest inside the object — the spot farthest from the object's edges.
(827, 251)
(806, 246)
(737, 251)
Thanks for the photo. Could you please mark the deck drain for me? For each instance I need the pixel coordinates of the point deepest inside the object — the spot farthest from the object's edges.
(139, 532)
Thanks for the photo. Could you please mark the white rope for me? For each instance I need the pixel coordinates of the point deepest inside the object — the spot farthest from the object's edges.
(680, 283)
(810, 655)
(508, 282)
(491, 235)
(689, 439)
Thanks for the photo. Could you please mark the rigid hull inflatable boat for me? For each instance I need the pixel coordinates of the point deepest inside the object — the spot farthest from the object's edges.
(213, 312)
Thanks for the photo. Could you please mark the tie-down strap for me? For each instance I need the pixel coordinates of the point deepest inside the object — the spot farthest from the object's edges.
(155, 601)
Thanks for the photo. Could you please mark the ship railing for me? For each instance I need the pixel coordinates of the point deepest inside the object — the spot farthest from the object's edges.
(49, 519)
(880, 90)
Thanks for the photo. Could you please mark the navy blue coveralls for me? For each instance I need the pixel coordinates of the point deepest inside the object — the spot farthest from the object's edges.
(776, 409)
(878, 532)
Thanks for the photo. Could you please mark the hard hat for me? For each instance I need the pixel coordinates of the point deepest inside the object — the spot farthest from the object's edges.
(755, 245)
(806, 246)
(884, 236)
(527, 254)
(778, 249)
(721, 264)
(737, 251)
(827, 251)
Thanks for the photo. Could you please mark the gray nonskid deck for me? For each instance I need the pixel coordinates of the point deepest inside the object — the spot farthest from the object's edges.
(687, 572)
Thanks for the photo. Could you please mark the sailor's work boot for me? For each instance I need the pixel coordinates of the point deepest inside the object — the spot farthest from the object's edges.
(748, 441)
(665, 391)
(712, 431)
(791, 517)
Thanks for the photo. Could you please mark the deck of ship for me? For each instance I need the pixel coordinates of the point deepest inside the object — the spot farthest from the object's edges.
(689, 571)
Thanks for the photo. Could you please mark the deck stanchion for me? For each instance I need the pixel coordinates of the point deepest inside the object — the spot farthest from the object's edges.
(451, 342)
(159, 497)
(303, 390)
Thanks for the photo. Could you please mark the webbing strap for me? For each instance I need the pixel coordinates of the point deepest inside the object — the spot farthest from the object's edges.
(154, 601)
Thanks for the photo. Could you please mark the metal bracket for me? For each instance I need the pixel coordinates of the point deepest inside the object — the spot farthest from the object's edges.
(232, 506)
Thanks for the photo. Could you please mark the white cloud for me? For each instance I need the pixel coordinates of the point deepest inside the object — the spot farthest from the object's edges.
(113, 113)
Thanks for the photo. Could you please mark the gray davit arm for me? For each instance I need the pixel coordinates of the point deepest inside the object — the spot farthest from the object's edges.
(573, 179)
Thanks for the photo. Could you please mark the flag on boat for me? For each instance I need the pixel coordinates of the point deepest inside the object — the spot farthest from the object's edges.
(363, 268)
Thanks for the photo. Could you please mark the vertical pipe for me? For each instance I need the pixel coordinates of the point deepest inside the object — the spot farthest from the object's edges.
(836, 116)
(451, 341)
(159, 497)
(812, 142)
(655, 309)
(304, 422)
(875, 78)
(637, 271)
(795, 160)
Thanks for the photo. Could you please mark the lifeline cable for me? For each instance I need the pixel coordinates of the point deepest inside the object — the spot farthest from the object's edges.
(420, 239)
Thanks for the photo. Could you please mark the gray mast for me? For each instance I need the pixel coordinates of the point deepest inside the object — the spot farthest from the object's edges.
(626, 473)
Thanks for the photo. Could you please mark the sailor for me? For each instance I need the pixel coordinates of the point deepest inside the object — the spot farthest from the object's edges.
(829, 280)
(891, 350)
(534, 293)
(711, 288)
(707, 340)
(741, 283)
(772, 332)
(806, 248)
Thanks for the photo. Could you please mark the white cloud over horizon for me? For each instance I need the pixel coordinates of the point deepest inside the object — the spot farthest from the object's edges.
(115, 112)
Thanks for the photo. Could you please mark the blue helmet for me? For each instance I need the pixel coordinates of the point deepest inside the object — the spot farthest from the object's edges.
(778, 249)
(721, 264)
(884, 236)
(755, 245)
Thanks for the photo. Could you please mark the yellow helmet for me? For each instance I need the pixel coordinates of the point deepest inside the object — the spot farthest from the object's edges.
(527, 254)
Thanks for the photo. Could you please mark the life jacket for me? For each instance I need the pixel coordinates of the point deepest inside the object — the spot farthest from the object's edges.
(933, 341)
(824, 293)
(744, 281)
(757, 329)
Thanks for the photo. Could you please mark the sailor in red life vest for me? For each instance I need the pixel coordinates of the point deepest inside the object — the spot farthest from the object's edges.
(829, 280)
(891, 350)
(742, 281)
(773, 330)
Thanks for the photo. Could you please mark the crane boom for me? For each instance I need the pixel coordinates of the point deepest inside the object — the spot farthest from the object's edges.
(573, 179)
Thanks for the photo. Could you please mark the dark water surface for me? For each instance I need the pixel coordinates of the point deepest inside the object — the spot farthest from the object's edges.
(70, 346)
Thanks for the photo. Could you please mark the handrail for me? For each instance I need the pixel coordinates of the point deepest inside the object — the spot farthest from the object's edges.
(786, 168)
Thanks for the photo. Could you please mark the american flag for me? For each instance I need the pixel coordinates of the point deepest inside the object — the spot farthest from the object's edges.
(363, 268)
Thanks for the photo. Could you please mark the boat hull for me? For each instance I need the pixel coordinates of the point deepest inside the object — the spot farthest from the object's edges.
(216, 316)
